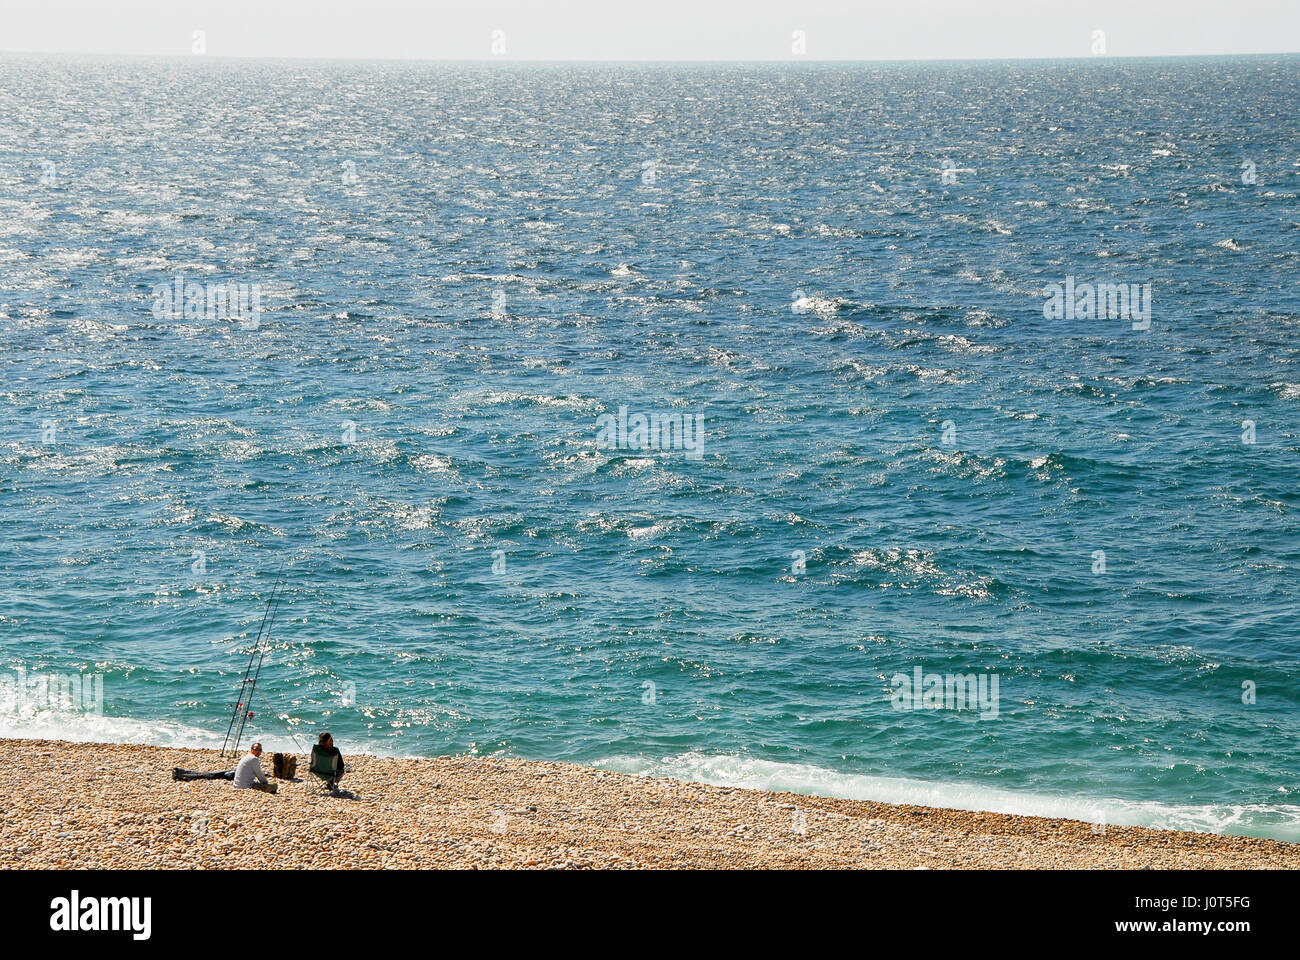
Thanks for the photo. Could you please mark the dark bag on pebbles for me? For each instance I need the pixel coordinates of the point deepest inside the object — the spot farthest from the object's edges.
(283, 767)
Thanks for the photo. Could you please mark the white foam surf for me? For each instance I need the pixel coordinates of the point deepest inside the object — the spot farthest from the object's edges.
(93, 728)
(22, 718)
(1278, 822)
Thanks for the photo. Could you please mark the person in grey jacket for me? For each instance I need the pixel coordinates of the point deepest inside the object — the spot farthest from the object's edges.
(248, 772)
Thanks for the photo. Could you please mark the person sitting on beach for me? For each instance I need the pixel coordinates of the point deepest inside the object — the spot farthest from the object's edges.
(248, 772)
(326, 761)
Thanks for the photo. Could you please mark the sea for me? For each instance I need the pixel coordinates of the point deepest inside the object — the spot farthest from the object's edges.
(924, 432)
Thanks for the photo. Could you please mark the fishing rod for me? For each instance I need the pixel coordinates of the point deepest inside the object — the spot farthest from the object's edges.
(252, 684)
(243, 686)
(243, 683)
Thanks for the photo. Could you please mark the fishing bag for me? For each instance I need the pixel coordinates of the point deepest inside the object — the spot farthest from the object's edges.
(283, 767)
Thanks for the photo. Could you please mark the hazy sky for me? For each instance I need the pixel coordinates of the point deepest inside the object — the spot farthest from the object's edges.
(653, 29)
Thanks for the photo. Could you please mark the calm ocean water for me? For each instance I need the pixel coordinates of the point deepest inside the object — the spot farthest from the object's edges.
(839, 271)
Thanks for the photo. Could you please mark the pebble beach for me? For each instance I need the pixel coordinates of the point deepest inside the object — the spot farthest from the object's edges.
(116, 806)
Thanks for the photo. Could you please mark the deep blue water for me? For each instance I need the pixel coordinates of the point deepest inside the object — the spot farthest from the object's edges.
(828, 263)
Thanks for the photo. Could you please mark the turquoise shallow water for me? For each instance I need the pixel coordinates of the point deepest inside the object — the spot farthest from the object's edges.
(839, 269)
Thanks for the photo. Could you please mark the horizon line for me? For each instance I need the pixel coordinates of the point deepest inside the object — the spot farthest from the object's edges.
(637, 60)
